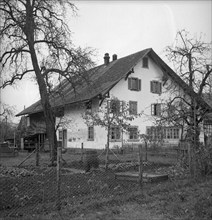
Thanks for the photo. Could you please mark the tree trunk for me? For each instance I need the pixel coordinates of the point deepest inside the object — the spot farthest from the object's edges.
(107, 149)
(48, 112)
(195, 144)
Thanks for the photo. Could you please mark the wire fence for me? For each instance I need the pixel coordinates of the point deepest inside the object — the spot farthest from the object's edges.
(31, 190)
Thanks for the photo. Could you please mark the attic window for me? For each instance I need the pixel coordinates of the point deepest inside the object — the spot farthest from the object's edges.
(145, 62)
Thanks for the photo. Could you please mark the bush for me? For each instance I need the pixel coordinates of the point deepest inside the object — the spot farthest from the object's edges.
(91, 160)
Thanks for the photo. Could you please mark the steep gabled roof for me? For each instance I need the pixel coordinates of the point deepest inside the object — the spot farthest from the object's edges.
(102, 78)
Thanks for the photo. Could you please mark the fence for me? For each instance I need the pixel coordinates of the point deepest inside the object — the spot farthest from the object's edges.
(34, 190)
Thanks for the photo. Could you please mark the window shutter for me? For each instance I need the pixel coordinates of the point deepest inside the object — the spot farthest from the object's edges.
(152, 109)
(151, 86)
(118, 106)
(160, 87)
(158, 109)
(108, 106)
(129, 83)
(135, 108)
(139, 84)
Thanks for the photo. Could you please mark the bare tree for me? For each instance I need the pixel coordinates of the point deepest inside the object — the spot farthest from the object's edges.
(112, 113)
(191, 58)
(35, 40)
(7, 128)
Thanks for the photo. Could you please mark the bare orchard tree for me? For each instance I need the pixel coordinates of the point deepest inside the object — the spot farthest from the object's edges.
(6, 110)
(191, 58)
(6, 125)
(112, 113)
(35, 40)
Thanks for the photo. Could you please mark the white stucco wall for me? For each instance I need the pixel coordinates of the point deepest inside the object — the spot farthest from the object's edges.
(77, 130)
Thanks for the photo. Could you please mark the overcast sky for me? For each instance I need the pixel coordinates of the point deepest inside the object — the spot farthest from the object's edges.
(123, 28)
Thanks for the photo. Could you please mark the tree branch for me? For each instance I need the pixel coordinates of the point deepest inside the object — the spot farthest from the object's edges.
(14, 78)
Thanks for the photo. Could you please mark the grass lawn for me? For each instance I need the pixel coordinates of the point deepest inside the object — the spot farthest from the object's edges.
(98, 195)
(179, 200)
(71, 156)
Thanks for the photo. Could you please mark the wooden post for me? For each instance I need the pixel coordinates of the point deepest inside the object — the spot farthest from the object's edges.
(22, 143)
(146, 151)
(82, 153)
(190, 158)
(38, 151)
(58, 177)
(140, 159)
(14, 141)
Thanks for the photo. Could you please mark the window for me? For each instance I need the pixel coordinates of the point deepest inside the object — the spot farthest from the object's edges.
(115, 133)
(145, 62)
(171, 133)
(134, 84)
(90, 133)
(114, 106)
(207, 125)
(132, 108)
(154, 133)
(133, 133)
(156, 87)
(175, 133)
(158, 133)
(156, 109)
(60, 134)
(168, 133)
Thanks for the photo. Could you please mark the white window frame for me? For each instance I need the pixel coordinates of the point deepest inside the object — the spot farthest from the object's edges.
(115, 133)
(134, 135)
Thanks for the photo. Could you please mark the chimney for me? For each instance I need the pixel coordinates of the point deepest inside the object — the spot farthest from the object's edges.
(106, 59)
(114, 57)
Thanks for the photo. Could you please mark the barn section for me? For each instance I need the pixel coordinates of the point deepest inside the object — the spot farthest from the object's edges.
(32, 132)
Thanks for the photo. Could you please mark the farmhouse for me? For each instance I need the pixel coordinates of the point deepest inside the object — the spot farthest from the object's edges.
(143, 80)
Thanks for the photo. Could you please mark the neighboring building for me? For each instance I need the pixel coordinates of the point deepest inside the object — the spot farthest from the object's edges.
(31, 131)
(142, 79)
